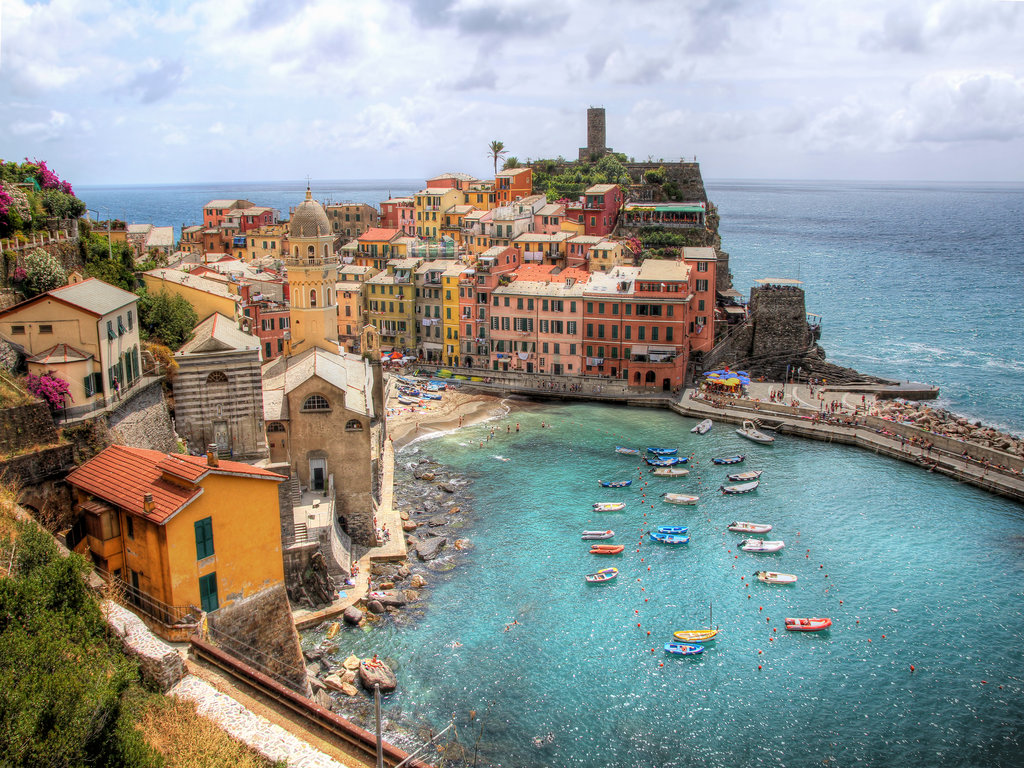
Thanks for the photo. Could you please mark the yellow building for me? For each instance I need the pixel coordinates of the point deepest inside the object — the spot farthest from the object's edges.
(609, 253)
(351, 292)
(267, 241)
(182, 533)
(391, 304)
(454, 221)
(206, 296)
(375, 247)
(480, 195)
(450, 312)
(312, 276)
(429, 206)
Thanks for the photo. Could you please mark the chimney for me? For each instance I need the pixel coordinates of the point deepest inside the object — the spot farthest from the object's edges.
(148, 505)
(211, 455)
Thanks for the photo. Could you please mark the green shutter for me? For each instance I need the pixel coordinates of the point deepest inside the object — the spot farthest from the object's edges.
(89, 391)
(208, 592)
(204, 538)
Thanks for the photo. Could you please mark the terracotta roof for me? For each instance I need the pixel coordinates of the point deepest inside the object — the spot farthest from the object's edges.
(122, 475)
(378, 233)
(60, 353)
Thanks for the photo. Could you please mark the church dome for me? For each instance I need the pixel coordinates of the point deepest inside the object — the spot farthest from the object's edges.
(309, 219)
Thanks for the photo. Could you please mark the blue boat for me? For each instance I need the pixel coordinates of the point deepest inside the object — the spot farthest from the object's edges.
(614, 483)
(663, 451)
(430, 395)
(668, 538)
(729, 459)
(684, 649)
(678, 530)
(667, 461)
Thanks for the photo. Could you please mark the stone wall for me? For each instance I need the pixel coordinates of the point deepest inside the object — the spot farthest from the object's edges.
(780, 322)
(25, 426)
(144, 421)
(259, 630)
(159, 662)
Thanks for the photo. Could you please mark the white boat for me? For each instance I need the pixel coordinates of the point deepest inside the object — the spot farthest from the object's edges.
(771, 577)
(757, 545)
(670, 472)
(745, 477)
(627, 451)
(751, 432)
(743, 527)
(703, 428)
(741, 488)
(609, 506)
(679, 498)
(592, 535)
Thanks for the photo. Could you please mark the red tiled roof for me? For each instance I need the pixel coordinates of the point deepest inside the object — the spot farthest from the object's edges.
(123, 475)
(378, 233)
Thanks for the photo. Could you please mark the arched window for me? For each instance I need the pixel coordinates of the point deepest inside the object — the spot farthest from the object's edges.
(312, 297)
(217, 377)
(649, 378)
(327, 297)
(327, 251)
(353, 425)
(316, 403)
(275, 426)
(296, 251)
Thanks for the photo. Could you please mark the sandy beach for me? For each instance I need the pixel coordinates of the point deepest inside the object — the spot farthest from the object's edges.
(455, 409)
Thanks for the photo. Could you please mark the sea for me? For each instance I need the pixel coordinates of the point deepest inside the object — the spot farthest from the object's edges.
(921, 575)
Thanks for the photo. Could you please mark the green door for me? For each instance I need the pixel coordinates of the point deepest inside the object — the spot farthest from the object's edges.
(208, 592)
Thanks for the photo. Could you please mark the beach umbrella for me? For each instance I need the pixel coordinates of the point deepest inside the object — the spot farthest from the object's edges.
(733, 382)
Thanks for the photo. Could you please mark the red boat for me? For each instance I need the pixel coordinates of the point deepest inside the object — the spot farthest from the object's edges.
(607, 549)
(808, 625)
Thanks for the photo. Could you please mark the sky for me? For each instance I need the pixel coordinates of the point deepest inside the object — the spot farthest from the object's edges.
(149, 92)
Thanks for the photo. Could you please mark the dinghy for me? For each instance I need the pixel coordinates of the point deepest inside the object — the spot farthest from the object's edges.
(729, 459)
(808, 625)
(609, 506)
(758, 545)
(668, 538)
(607, 549)
(408, 400)
(684, 649)
(771, 577)
(679, 530)
(663, 451)
(703, 428)
(668, 461)
(680, 498)
(670, 472)
(591, 535)
(742, 527)
(745, 477)
(730, 490)
(627, 451)
(698, 635)
(614, 483)
(749, 431)
(430, 395)
(605, 574)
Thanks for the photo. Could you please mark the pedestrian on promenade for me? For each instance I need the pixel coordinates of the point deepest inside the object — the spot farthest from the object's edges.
(117, 388)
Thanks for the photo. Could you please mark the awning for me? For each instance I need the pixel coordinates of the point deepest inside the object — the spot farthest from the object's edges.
(638, 349)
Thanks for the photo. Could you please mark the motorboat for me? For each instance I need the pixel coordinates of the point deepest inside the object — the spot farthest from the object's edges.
(742, 527)
(667, 461)
(627, 451)
(703, 428)
(605, 574)
(771, 577)
(731, 490)
(670, 472)
(749, 431)
(607, 549)
(591, 535)
(430, 395)
(684, 649)
(609, 506)
(678, 530)
(729, 459)
(745, 477)
(759, 545)
(680, 498)
(614, 483)
(808, 625)
(668, 538)
(663, 451)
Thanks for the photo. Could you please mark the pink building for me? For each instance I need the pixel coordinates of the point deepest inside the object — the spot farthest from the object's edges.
(475, 296)
(549, 218)
(703, 264)
(398, 213)
(597, 210)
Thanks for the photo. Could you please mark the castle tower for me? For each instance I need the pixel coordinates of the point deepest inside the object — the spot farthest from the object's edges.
(595, 130)
(312, 274)
(370, 346)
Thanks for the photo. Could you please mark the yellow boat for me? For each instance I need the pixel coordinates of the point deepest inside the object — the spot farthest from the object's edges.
(695, 635)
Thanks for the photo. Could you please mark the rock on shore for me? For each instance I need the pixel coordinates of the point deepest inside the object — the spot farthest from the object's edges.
(942, 422)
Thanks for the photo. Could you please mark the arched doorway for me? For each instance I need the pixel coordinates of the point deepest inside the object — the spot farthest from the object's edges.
(649, 378)
(636, 378)
(469, 362)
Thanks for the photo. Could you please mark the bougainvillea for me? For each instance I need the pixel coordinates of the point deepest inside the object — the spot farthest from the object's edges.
(19, 274)
(50, 388)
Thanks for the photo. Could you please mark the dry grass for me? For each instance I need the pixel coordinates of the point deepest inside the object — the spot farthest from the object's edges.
(12, 393)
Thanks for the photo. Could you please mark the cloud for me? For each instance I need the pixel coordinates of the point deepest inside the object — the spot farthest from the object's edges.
(158, 80)
(486, 79)
(218, 128)
(57, 126)
(955, 107)
(265, 14)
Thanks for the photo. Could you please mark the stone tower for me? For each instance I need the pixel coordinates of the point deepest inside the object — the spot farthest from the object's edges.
(595, 148)
(312, 275)
(369, 343)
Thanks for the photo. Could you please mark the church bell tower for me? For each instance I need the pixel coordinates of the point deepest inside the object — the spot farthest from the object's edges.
(312, 277)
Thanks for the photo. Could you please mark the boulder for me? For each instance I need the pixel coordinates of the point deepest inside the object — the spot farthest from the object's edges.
(424, 474)
(333, 682)
(428, 549)
(347, 676)
(352, 662)
(352, 615)
(455, 510)
(417, 581)
(390, 599)
(386, 585)
(403, 572)
(377, 673)
(437, 521)
(446, 487)
(323, 698)
(411, 595)
(350, 690)
(313, 654)
(463, 544)
(374, 606)
(409, 525)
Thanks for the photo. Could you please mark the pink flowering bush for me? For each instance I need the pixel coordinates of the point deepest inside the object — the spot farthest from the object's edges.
(19, 274)
(50, 388)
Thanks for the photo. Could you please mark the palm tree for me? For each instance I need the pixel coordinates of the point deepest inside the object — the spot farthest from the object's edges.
(496, 149)
(510, 162)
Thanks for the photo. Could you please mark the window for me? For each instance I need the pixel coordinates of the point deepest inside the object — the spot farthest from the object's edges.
(312, 297)
(615, 331)
(353, 425)
(268, 350)
(590, 330)
(217, 377)
(120, 326)
(627, 332)
(640, 331)
(17, 330)
(131, 527)
(702, 266)
(654, 333)
(590, 307)
(204, 538)
(46, 329)
(316, 403)
(570, 329)
(519, 303)
(600, 331)
(208, 592)
(668, 333)
(701, 285)
(110, 330)
(615, 309)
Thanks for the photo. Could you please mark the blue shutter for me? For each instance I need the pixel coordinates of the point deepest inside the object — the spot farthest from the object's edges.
(204, 538)
(208, 592)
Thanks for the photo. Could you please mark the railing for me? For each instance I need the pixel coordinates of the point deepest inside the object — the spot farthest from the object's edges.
(137, 601)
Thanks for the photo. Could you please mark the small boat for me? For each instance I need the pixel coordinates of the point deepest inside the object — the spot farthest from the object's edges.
(409, 392)
(729, 459)
(408, 400)
(698, 635)
(668, 538)
(745, 477)
(430, 395)
(751, 432)
(676, 529)
(668, 461)
(671, 472)
(627, 451)
(771, 577)
(680, 498)
(730, 490)
(808, 625)
(605, 574)
(663, 451)
(742, 527)
(684, 649)
(614, 483)
(590, 535)
(609, 506)
(759, 545)
(703, 428)
(607, 549)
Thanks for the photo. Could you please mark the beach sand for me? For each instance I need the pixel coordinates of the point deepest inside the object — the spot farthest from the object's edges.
(455, 409)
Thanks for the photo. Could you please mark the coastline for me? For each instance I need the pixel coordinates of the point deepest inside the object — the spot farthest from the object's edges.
(407, 424)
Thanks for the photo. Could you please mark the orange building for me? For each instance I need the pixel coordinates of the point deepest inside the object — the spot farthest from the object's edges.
(511, 184)
(375, 246)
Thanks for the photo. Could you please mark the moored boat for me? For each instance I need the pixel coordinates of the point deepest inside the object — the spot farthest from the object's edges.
(627, 451)
(684, 649)
(607, 549)
(740, 526)
(430, 395)
(808, 625)
(729, 459)
(609, 506)
(680, 498)
(605, 574)
(591, 535)
(759, 545)
(614, 483)
(676, 529)
(670, 472)
(668, 538)
(745, 477)
(698, 635)
(731, 490)
(771, 577)
(703, 428)
(667, 461)
(749, 431)
(663, 451)
(408, 400)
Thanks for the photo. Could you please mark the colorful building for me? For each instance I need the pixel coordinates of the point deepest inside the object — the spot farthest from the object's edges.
(430, 206)
(269, 241)
(451, 279)
(376, 246)
(398, 213)
(391, 304)
(312, 275)
(598, 209)
(429, 310)
(206, 296)
(351, 292)
(215, 211)
(703, 264)
(349, 220)
(512, 184)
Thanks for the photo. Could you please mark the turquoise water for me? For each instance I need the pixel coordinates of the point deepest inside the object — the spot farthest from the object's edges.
(928, 572)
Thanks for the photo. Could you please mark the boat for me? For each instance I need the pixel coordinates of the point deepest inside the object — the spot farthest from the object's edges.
(607, 549)
(744, 477)
(742, 527)
(409, 392)
(749, 431)
(730, 490)
(680, 498)
(668, 538)
(430, 395)
(627, 451)
(663, 451)
(759, 545)
(771, 577)
(684, 649)
(408, 400)
(605, 574)
(671, 472)
(668, 461)
(614, 483)
(588, 535)
(808, 625)
(609, 506)
(729, 459)
(698, 635)
(703, 428)
(676, 529)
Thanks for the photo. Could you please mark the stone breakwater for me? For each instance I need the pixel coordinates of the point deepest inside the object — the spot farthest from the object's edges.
(948, 424)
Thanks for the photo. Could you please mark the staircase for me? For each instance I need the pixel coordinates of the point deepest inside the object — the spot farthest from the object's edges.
(301, 533)
(296, 491)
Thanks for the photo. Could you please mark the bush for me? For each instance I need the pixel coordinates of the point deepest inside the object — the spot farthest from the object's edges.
(43, 273)
(50, 388)
(166, 317)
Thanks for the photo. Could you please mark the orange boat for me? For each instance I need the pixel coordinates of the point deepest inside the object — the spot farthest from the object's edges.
(607, 549)
(808, 625)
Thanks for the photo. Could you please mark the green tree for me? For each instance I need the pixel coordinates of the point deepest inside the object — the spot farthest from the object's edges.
(112, 263)
(43, 273)
(166, 318)
(496, 150)
(512, 162)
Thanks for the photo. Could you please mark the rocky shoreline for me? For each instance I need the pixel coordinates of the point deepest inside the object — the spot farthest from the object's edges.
(948, 424)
